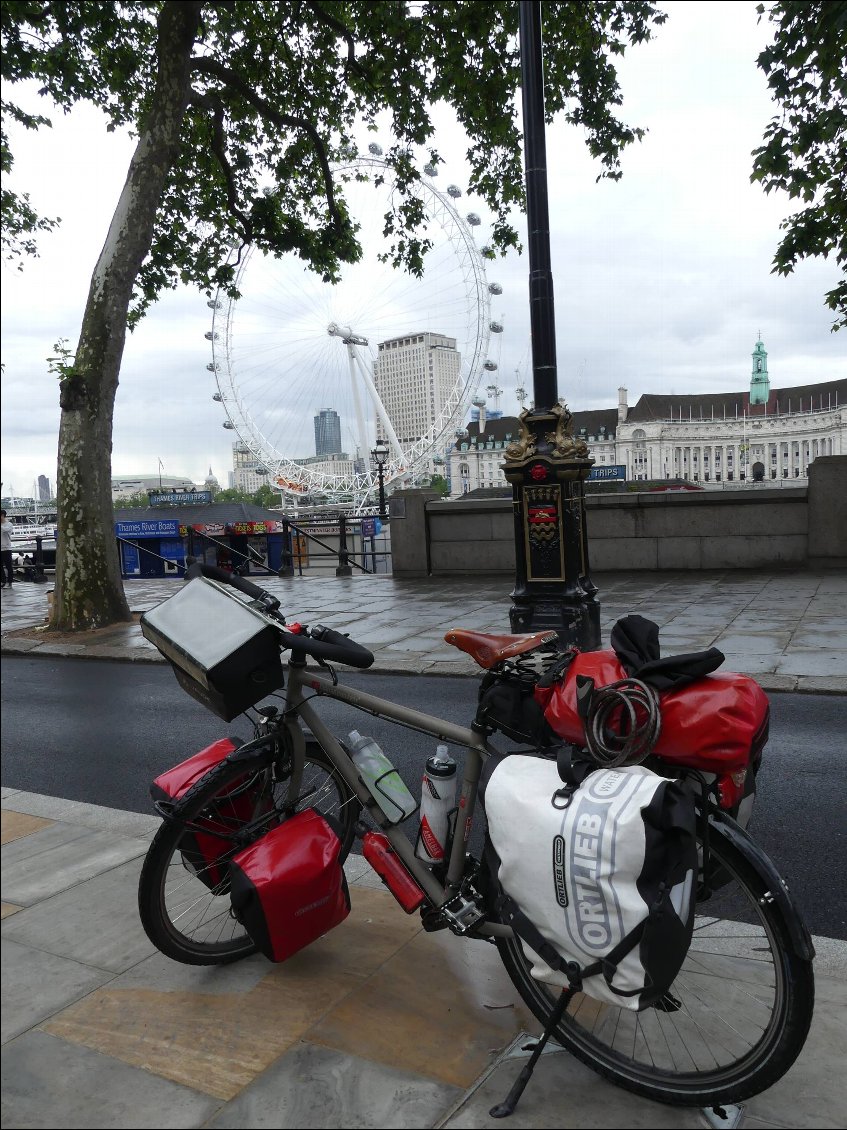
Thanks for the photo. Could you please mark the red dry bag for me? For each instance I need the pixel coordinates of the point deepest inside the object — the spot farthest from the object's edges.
(289, 888)
(205, 852)
(717, 724)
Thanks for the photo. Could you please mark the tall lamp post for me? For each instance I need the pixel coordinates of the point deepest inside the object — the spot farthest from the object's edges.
(380, 456)
(546, 466)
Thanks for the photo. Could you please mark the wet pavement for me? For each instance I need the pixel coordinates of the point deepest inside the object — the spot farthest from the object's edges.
(378, 1024)
(787, 629)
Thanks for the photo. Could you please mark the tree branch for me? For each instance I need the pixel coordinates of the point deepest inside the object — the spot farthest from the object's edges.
(212, 103)
(343, 32)
(235, 83)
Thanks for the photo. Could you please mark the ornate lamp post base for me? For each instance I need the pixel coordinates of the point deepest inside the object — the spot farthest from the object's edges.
(547, 468)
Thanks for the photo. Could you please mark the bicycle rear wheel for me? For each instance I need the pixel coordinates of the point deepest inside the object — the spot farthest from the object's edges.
(183, 892)
(738, 1012)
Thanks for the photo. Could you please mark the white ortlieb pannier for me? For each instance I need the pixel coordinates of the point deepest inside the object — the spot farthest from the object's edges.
(223, 652)
(598, 880)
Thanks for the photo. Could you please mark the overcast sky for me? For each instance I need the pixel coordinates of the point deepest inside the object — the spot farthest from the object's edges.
(662, 281)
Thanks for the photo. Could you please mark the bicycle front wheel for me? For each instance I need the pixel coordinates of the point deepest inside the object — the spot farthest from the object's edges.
(184, 891)
(734, 1020)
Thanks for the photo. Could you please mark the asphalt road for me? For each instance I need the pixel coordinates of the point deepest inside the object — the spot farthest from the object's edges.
(99, 732)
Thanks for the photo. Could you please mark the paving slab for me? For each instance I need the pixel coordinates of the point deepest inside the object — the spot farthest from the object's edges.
(823, 661)
(94, 923)
(315, 1087)
(49, 1083)
(37, 984)
(94, 816)
(60, 856)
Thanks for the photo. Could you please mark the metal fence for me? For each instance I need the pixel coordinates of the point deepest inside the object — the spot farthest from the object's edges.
(335, 543)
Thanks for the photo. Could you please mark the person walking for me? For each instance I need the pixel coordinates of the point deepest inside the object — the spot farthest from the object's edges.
(5, 550)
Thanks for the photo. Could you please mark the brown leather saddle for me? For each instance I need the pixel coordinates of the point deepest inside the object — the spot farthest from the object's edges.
(488, 650)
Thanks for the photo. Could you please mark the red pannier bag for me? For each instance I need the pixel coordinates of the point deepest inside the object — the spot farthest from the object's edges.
(241, 803)
(716, 724)
(289, 888)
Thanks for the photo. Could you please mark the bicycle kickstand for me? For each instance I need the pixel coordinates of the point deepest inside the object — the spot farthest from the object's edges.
(507, 1107)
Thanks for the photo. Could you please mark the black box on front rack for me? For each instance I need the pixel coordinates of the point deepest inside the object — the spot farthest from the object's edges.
(224, 653)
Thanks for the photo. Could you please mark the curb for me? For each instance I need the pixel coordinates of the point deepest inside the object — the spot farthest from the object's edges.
(24, 645)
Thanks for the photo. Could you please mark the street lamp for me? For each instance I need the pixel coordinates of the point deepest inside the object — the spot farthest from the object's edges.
(380, 455)
(546, 465)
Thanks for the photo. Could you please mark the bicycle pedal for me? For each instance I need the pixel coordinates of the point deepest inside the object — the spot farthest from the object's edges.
(461, 914)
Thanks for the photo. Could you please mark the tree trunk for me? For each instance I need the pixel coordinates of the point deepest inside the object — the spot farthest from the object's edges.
(89, 591)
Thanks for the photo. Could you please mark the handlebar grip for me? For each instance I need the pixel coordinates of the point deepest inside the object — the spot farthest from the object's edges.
(326, 643)
(198, 569)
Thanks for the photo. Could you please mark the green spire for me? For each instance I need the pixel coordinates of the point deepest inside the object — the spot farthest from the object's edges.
(760, 386)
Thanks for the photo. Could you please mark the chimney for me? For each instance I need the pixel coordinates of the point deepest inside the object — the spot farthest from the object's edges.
(622, 405)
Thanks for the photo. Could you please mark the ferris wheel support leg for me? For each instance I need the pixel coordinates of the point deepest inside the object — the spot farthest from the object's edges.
(357, 401)
(390, 434)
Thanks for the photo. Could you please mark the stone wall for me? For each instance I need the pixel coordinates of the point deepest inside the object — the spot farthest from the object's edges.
(828, 511)
(740, 529)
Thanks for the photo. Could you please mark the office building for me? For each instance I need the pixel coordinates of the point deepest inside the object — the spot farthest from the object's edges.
(414, 377)
(327, 433)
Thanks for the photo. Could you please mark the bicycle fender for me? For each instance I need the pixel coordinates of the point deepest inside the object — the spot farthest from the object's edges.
(775, 885)
(258, 749)
(255, 751)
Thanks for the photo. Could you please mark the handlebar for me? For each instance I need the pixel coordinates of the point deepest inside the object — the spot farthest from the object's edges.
(320, 642)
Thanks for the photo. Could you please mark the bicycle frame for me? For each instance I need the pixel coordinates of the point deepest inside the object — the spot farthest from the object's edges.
(301, 680)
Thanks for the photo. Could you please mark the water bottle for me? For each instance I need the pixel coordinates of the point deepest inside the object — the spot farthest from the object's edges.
(381, 856)
(381, 777)
(438, 798)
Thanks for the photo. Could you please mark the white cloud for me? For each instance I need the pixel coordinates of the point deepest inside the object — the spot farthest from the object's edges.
(662, 281)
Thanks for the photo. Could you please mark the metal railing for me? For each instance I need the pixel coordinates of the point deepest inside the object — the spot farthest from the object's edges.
(293, 554)
(33, 569)
(296, 551)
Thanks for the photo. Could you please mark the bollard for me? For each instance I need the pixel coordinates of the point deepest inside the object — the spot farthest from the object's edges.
(286, 568)
(39, 576)
(344, 568)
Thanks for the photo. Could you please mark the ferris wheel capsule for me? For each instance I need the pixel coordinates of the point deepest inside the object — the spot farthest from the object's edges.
(495, 288)
(490, 366)
(430, 170)
(375, 149)
(473, 219)
(217, 396)
(454, 191)
(213, 367)
(228, 424)
(213, 304)
(496, 327)
(210, 335)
